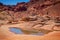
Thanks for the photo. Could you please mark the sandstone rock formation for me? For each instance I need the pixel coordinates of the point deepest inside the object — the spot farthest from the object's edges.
(36, 15)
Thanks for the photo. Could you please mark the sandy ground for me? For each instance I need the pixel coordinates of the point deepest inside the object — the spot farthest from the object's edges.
(50, 36)
(5, 34)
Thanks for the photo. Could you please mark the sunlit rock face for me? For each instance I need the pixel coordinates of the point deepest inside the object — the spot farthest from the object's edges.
(36, 6)
(35, 11)
(30, 11)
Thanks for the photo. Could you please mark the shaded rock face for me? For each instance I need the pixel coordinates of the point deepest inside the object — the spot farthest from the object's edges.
(23, 8)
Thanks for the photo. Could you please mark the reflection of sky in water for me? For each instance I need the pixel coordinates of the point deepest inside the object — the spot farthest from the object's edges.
(19, 31)
(16, 30)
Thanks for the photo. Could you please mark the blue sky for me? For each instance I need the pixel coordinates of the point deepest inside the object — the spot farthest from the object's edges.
(12, 2)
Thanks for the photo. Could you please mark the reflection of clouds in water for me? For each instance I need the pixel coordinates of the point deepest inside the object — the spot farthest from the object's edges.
(15, 30)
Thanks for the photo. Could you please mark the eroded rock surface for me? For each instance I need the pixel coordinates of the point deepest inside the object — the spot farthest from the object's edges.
(36, 15)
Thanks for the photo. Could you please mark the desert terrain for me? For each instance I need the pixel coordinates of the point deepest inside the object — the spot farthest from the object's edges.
(34, 20)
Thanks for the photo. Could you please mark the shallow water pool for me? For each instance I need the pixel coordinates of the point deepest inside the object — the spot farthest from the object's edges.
(19, 31)
(15, 30)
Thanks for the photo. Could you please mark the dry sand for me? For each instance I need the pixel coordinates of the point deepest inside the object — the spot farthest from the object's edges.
(5, 34)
